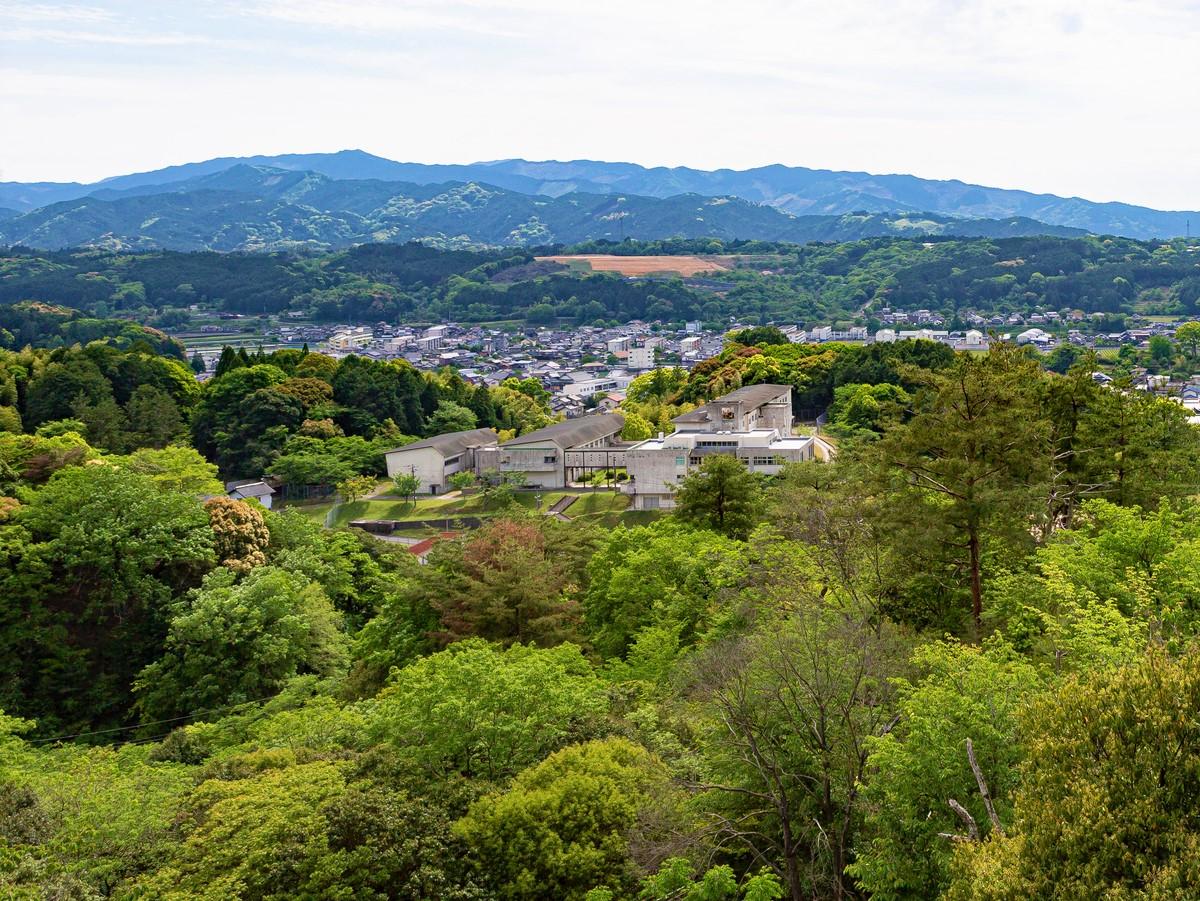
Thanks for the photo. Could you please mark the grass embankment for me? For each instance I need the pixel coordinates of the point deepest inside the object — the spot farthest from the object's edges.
(609, 508)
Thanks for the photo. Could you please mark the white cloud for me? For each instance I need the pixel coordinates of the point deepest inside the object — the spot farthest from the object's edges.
(85, 36)
(47, 12)
(1049, 95)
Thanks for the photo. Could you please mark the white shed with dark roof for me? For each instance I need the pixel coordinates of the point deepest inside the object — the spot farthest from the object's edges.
(251, 489)
(435, 459)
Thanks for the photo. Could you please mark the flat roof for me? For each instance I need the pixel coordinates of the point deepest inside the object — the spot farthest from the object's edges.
(755, 394)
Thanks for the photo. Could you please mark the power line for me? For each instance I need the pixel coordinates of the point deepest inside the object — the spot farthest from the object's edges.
(173, 719)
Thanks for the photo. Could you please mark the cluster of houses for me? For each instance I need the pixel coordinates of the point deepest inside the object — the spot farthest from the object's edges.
(753, 424)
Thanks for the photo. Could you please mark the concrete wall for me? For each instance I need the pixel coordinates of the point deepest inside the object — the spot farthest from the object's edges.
(532, 461)
(652, 472)
(778, 416)
(426, 463)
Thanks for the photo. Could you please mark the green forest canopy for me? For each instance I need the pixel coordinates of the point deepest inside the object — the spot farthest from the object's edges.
(770, 282)
(204, 699)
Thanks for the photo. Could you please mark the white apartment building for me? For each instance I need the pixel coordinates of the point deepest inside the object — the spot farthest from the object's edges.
(429, 345)
(588, 387)
(641, 357)
(351, 339)
(618, 345)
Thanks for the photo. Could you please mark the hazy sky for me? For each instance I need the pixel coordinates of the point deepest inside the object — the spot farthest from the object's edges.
(1099, 99)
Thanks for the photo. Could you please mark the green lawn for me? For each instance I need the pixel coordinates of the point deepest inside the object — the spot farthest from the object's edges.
(602, 503)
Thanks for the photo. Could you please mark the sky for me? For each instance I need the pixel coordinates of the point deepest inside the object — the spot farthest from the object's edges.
(1095, 99)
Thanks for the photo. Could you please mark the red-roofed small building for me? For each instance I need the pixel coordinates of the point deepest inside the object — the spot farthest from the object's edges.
(421, 549)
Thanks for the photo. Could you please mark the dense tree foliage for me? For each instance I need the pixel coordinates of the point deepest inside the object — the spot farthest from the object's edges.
(773, 282)
(957, 662)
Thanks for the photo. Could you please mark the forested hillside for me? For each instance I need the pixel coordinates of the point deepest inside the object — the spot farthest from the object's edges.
(793, 189)
(251, 208)
(952, 663)
(44, 325)
(764, 281)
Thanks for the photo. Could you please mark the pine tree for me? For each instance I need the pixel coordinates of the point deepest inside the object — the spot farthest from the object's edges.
(971, 465)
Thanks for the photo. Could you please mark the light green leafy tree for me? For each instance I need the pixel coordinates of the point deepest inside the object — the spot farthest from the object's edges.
(488, 713)
(304, 831)
(964, 692)
(1188, 334)
(174, 468)
(233, 642)
(564, 826)
(665, 574)
(1108, 800)
(676, 881)
(406, 484)
(353, 488)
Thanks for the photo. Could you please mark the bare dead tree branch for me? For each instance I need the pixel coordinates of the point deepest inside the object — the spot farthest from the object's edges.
(968, 820)
(983, 788)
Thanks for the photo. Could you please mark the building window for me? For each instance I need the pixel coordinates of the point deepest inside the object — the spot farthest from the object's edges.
(450, 461)
(649, 502)
(549, 458)
(680, 461)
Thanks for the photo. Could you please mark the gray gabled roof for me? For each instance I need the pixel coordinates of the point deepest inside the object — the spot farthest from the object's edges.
(573, 431)
(250, 488)
(452, 443)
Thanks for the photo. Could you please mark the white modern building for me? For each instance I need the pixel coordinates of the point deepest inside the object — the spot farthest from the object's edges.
(435, 459)
(430, 344)
(351, 339)
(588, 387)
(752, 424)
(554, 456)
(618, 345)
(641, 357)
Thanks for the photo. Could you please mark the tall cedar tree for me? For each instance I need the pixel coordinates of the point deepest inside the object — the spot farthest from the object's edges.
(972, 462)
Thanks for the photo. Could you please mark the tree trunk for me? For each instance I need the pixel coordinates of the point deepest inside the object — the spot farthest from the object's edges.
(795, 883)
(976, 585)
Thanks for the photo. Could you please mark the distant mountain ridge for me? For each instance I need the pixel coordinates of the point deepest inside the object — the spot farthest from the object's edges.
(257, 208)
(795, 190)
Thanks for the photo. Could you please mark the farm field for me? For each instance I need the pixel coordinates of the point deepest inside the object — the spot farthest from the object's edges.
(641, 265)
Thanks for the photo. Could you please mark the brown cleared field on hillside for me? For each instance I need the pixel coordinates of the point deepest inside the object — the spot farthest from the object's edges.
(650, 265)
